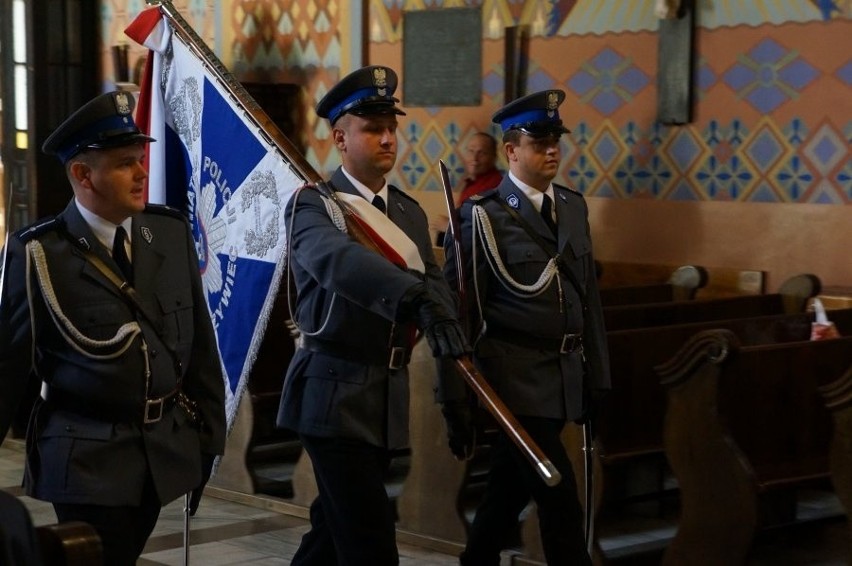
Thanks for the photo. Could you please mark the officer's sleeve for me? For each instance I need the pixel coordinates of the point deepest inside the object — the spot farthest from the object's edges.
(340, 264)
(594, 334)
(15, 332)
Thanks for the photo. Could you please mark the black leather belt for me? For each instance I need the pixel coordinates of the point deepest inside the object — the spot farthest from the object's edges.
(395, 357)
(568, 343)
(151, 412)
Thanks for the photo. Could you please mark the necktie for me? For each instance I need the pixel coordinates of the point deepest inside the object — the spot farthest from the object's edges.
(119, 253)
(379, 203)
(547, 213)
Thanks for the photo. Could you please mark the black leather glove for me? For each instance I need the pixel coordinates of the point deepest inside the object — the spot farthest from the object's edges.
(206, 470)
(446, 339)
(442, 330)
(592, 401)
(461, 431)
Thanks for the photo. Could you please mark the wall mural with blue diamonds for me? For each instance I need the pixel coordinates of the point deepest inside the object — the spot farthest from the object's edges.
(772, 83)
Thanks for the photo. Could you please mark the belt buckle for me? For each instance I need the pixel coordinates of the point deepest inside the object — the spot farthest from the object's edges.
(153, 406)
(397, 357)
(570, 343)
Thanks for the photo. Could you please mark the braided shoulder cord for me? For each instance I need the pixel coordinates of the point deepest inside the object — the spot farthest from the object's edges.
(335, 213)
(72, 335)
(483, 234)
(339, 221)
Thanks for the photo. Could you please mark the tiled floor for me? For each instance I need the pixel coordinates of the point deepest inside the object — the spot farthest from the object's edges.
(225, 533)
(222, 532)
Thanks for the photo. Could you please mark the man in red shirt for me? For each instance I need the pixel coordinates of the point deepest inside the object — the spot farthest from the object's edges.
(481, 166)
(481, 174)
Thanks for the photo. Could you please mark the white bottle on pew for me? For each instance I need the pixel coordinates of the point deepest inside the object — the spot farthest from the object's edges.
(822, 328)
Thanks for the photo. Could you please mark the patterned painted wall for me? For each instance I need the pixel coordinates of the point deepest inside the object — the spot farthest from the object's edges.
(203, 15)
(773, 87)
(270, 41)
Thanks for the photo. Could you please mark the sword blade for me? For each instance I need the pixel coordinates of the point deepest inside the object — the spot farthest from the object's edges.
(589, 473)
(186, 516)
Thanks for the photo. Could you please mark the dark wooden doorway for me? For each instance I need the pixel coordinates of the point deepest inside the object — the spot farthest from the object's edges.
(49, 67)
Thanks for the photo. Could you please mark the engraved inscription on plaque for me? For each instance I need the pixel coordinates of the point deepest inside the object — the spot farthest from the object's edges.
(442, 57)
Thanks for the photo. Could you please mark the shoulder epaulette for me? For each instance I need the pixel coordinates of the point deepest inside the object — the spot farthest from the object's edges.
(38, 229)
(569, 190)
(165, 211)
(402, 193)
(490, 193)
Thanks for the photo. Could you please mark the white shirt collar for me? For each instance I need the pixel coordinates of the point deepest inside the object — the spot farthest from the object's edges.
(104, 230)
(365, 191)
(535, 195)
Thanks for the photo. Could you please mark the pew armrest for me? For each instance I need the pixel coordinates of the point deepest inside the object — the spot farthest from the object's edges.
(798, 290)
(70, 543)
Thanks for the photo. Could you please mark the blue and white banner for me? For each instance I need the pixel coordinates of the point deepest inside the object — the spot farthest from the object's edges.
(211, 161)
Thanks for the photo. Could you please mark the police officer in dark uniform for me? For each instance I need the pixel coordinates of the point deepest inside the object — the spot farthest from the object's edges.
(541, 341)
(346, 390)
(103, 304)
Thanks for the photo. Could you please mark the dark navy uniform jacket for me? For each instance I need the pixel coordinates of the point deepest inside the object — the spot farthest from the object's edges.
(87, 443)
(519, 353)
(344, 388)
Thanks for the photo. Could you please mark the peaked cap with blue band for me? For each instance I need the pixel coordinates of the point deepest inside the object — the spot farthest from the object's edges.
(367, 91)
(536, 114)
(104, 122)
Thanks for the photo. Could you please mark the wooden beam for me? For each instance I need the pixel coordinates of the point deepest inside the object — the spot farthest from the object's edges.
(674, 58)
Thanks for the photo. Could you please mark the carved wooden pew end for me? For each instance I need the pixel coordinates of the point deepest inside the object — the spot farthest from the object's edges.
(747, 426)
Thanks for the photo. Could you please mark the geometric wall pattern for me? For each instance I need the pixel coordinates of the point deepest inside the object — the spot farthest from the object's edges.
(766, 129)
(772, 87)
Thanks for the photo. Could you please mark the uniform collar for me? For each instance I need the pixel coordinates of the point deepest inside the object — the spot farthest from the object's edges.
(535, 195)
(104, 230)
(364, 190)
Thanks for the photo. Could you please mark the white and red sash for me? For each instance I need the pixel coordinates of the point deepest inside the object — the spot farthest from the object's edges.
(390, 237)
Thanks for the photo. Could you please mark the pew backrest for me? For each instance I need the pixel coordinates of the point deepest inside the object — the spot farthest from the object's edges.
(752, 424)
(721, 281)
(632, 419)
(791, 297)
(767, 398)
(682, 285)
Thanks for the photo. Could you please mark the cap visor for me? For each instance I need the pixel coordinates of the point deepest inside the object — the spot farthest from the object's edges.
(120, 141)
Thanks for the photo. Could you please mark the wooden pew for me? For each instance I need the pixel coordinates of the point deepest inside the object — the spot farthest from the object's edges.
(429, 504)
(630, 426)
(435, 482)
(722, 281)
(791, 297)
(747, 422)
(632, 421)
(682, 285)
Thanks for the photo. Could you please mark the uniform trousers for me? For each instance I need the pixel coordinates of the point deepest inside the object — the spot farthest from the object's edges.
(512, 481)
(123, 530)
(352, 522)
